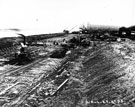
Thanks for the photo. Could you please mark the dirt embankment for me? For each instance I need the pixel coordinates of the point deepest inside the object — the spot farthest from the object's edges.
(103, 77)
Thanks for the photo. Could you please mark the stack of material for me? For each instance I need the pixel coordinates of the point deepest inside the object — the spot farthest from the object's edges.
(59, 53)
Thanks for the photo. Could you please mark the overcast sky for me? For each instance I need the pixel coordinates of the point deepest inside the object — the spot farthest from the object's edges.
(56, 15)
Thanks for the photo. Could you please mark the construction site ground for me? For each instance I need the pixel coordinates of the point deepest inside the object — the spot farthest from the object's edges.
(101, 75)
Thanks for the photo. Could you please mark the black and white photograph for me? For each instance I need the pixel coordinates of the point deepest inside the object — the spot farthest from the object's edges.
(67, 53)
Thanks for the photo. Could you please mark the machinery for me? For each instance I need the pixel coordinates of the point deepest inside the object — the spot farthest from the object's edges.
(127, 32)
(22, 55)
(80, 41)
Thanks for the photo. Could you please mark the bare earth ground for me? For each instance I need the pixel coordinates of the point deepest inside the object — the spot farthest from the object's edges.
(101, 76)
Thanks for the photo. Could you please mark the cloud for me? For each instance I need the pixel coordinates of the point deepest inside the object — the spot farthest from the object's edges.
(14, 29)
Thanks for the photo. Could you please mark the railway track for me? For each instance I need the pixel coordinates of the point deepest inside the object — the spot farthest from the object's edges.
(37, 59)
(20, 68)
(42, 78)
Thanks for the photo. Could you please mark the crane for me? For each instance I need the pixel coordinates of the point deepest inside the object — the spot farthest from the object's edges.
(72, 28)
